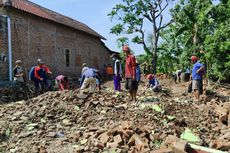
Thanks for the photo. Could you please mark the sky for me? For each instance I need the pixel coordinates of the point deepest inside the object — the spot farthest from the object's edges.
(93, 13)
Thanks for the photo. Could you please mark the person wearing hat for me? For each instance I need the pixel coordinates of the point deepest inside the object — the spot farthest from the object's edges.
(197, 73)
(130, 73)
(117, 72)
(84, 67)
(18, 72)
(18, 80)
(41, 73)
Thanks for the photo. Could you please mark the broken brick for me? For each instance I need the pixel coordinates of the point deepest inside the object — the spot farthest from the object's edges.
(104, 138)
(180, 146)
(139, 143)
(117, 139)
(112, 145)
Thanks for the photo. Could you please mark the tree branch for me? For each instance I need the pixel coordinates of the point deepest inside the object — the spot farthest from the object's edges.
(161, 19)
(162, 9)
(148, 17)
(164, 26)
(143, 41)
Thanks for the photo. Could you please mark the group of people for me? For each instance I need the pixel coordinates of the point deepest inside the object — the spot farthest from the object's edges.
(195, 76)
(92, 78)
(132, 74)
(89, 76)
(39, 75)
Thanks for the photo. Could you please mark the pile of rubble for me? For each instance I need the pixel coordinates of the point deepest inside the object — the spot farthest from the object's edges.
(5, 95)
(107, 122)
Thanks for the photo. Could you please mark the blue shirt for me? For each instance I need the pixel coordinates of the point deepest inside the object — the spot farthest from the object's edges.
(154, 82)
(196, 66)
(88, 73)
(138, 73)
(31, 73)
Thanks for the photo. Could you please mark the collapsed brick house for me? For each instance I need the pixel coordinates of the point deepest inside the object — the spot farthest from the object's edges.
(36, 32)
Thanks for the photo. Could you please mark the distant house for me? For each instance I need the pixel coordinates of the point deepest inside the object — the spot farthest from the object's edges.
(36, 32)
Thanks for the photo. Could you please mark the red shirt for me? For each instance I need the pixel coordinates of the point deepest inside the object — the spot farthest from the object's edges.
(41, 72)
(130, 67)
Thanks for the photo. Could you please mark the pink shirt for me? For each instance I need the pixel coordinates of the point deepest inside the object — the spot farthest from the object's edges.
(60, 77)
(62, 84)
(130, 67)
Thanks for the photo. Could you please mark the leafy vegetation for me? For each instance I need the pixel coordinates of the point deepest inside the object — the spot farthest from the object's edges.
(199, 27)
(134, 15)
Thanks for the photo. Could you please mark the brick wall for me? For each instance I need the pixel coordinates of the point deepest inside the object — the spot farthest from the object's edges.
(3, 48)
(34, 37)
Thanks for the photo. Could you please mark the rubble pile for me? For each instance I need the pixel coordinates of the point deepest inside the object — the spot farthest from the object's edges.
(5, 95)
(108, 122)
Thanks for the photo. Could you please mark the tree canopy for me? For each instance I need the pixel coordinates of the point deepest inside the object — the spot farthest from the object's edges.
(133, 15)
(199, 27)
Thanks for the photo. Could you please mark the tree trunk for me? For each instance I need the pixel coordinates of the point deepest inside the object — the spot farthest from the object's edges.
(195, 39)
(155, 59)
(154, 62)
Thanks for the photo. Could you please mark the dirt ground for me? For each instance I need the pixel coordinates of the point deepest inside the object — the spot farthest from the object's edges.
(106, 121)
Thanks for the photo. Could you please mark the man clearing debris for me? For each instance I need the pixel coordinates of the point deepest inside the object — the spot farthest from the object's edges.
(41, 73)
(117, 72)
(197, 72)
(130, 73)
(178, 75)
(153, 83)
(84, 67)
(88, 78)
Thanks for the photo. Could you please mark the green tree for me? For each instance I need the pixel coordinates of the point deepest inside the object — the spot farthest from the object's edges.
(217, 43)
(192, 20)
(133, 15)
(170, 50)
(200, 28)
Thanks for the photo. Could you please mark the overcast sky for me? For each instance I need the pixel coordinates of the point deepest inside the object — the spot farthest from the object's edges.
(93, 13)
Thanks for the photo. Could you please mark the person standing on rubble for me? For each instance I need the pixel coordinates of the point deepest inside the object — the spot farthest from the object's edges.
(138, 72)
(178, 75)
(117, 72)
(41, 73)
(187, 74)
(18, 72)
(109, 71)
(130, 73)
(34, 79)
(197, 72)
(19, 80)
